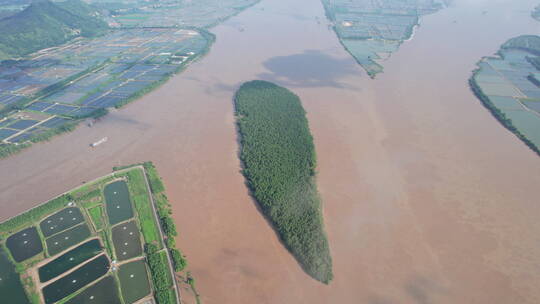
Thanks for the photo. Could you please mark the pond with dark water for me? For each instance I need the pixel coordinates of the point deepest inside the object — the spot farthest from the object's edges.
(10, 283)
(59, 242)
(134, 281)
(24, 244)
(118, 202)
(104, 291)
(76, 280)
(69, 260)
(61, 221)
(127, 242)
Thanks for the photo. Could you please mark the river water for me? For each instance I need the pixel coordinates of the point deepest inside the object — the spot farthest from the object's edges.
(427, 198)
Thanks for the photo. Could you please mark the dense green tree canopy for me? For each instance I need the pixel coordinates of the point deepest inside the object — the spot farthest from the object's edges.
(279, 164)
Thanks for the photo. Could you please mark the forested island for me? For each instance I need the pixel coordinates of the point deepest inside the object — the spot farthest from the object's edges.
(279, 163)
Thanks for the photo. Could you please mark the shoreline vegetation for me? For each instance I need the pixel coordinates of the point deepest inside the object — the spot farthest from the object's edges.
(498, 114)
(526, 43)
(153, 213)
(279, 163)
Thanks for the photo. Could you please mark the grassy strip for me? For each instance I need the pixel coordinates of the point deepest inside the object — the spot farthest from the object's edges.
(279, 161)
(33, 215)
(105, 236)
(96, 214)
(163, 206)
(143, 206)
(498, 114)
(89, 196)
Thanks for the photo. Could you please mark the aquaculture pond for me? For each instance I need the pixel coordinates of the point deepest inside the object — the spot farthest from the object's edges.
(10, 283)
(76, 280)
(127, 242)
(134, 281)
(59, 242)
(118, 202)
(61, 221)
(24, 244)
(69, 260)
(104, 291)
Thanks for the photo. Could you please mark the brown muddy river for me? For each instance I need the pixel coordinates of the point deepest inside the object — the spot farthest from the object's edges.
(427, 198)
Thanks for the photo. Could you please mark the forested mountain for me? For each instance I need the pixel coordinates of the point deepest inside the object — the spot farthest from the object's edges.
(45, 24)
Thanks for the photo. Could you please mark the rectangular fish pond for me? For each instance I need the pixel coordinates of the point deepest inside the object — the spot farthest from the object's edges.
(69, 260)
(24, 244)
(61, 221)
(126, 239)
(104, 291)
(76, 280)
(66, 239)
(118, 202)
(134, 281)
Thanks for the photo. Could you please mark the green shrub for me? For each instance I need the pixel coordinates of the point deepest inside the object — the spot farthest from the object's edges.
(170, 242)
(161, 276)
(179, 261)
(168, 227)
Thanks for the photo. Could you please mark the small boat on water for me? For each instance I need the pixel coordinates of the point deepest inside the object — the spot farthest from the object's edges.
(99, 142)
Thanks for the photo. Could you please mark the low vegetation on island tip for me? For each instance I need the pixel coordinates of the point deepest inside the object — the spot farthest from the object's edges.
(279, 162)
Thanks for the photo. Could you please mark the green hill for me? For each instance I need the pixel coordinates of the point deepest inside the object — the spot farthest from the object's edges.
(45, 24)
